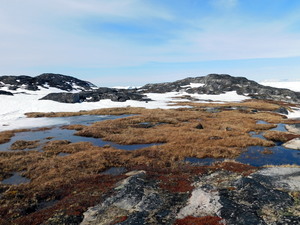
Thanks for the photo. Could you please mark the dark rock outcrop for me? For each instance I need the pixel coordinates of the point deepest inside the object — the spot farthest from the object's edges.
(46, 80)
(116, 95)
(282, 110)
(261, 198)
(6, 93)
(221, 83)
(138, 200)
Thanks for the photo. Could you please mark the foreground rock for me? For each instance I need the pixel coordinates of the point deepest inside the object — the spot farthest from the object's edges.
(220, 83)
(266, 197)
(117, 95)
(293, 144)
(137, 201)
(46, 80)
(293, 128)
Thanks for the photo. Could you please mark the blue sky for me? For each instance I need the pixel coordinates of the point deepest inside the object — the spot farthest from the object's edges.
(133, 42)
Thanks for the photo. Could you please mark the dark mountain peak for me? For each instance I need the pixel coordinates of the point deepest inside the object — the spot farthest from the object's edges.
(45, 80)
(63, 82)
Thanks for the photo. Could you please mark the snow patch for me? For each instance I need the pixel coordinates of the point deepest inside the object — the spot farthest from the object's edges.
(295, 114)
(193, 85)
(125, 87)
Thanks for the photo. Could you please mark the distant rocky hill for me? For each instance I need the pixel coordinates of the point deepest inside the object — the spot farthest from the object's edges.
(116, 95)
(46, 80)
(220, 83)
(87, 92)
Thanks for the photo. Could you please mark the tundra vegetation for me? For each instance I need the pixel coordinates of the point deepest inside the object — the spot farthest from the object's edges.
(66, 186)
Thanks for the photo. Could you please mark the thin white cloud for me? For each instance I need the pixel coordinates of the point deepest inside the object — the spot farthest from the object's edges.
(31, 35)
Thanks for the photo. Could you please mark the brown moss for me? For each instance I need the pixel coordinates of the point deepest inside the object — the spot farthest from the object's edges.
(109, 111)
(74, 127)
(22, 144)
(5, 136)
(267, 151)
(73, 198)
(207, 220)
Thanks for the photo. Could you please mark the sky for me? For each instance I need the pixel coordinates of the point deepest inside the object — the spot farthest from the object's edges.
(134, 42)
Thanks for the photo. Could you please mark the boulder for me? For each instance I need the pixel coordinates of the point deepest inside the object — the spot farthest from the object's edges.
(138, 201)
(199, 126)
(63, 97)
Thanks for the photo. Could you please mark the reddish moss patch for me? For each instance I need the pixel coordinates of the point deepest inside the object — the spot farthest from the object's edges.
(119, 220)
(73, 199)
(237, 168)
(207, 220)
(175, 183)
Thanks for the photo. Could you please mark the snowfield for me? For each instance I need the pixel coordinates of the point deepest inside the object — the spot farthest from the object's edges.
(14, 107)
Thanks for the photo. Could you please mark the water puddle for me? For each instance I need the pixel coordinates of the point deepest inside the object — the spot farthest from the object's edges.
(277, 155)
(62, 154)
(16, 179)
(202, 162)
(280, 127)
(262, 122)
(258, 156)
(115, 171)
(56, 133)
(259, 135)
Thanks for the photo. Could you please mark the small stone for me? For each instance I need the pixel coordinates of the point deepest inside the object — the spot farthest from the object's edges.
(199, 126)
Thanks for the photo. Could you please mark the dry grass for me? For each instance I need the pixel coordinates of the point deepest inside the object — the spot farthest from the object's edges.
(177, 129)
(108, 111)
(22, 144)
(260, 105)
(5, 136)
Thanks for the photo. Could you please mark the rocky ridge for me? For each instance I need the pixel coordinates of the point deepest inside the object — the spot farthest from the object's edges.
(87, 92)
(117, 95)
(220, 83)
(45, 80)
